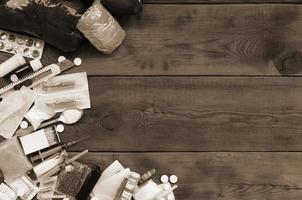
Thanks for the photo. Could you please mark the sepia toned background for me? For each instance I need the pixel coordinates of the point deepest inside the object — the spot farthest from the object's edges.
(208, 90)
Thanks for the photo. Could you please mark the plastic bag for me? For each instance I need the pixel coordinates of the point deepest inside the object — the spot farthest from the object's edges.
(13, 162)
(101, 29)
(39, 113)
(9, 126)
(25, 188)
(60, 97)
(11, 104)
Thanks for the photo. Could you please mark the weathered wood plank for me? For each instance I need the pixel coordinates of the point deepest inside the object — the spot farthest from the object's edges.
(203, 40)
(237, 39)
(226, 176)
(192, 114)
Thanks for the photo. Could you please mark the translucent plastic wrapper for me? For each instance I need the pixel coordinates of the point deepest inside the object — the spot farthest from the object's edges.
(65, 91)
(38, 113)
(11, 104)
(7, 193)
(11, 123)
(47, 188)
(101, 29)
(110, 187)
(13, 162)
(25, 188)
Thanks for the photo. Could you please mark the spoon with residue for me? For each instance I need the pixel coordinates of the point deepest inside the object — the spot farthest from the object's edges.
(69, 116)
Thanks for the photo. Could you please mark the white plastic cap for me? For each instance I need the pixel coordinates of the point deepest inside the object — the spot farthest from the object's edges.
(36, 64)
(14, 78)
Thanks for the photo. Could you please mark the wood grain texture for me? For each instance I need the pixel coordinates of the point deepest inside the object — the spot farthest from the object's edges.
(235, 39)
(192, 114)
(225, 176)
(203, 40)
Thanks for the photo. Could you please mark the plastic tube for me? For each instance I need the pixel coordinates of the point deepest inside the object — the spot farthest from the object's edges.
(11, 64)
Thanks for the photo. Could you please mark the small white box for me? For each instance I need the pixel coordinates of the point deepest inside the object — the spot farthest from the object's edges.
(34, 142)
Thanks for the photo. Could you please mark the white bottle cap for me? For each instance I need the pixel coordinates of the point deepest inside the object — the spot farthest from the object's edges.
(24, 124)
(36, 64)
(14, 78)
(173, 179)
(11, 64)
(164, 178)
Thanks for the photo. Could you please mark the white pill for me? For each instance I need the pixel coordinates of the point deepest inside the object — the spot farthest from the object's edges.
(24, 124)
(60, 128)
(164, 178)
(14, 78)
(94, 198)
(61, 59)
(77, 61)
(173, 179)
(66, 199)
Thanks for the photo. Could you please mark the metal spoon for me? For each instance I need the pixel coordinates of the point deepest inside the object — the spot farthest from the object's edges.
(69, 116)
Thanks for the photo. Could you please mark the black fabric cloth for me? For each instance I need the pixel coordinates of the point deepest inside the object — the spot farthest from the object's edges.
(51, 20)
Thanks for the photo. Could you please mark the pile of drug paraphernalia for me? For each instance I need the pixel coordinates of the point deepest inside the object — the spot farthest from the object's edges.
(39, 101)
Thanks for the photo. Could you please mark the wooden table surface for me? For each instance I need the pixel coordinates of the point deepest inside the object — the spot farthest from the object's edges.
(210, 92)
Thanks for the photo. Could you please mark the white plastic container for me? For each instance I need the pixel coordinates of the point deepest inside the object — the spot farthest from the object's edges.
(11, 64)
